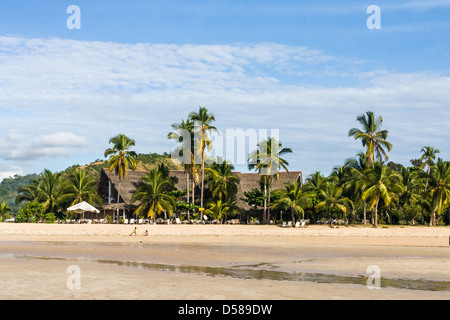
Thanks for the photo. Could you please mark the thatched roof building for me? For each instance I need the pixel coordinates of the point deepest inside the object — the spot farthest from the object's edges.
(109, 185)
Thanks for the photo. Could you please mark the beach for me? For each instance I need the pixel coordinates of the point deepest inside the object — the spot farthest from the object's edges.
(223, 262)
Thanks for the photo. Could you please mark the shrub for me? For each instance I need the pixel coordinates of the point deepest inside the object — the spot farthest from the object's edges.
(31, 212)
(50, 217)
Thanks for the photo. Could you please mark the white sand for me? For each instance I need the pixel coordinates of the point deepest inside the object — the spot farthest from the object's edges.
(416, 253)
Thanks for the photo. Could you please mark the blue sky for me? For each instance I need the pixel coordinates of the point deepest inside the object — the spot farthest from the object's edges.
(307, 68)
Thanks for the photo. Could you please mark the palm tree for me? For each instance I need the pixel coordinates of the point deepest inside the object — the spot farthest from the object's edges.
(49, 190)
(409, 183)
(372, 137)
(4, 209)
(332, 197)
(427, 159)
(45, 190)
(267, 161)
(79, 187)
(223, 182)
(203, 126)
(217, 209)
(153, 195)
(358, 168)
(294, 198)
(314, 183)
(440, 188)
(179, 135)
(29, 192)
(121, 159)
(380, 184)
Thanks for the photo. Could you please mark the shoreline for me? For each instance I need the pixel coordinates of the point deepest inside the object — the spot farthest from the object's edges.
(421, 236)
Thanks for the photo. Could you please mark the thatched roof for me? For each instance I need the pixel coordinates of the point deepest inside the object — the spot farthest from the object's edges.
(248, 181)
(128, 185)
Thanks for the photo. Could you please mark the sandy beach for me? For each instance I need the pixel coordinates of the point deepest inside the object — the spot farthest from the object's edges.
(223, 262)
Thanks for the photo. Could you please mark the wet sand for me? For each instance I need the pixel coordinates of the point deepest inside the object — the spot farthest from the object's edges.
(223, 262)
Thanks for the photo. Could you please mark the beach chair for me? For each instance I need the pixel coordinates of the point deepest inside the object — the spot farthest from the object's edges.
(178, 221)
(289, 224)
(284, 224)
(131, 221)
(303, 223)
(141, 221)
(297, 224)
(125, 221)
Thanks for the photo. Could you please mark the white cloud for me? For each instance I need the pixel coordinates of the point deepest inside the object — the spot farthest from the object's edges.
(19, 147)
(59, 97)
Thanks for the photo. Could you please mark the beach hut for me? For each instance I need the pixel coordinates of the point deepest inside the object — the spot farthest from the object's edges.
(83, 207)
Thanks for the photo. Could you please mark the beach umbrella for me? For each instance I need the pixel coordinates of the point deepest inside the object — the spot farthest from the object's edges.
(83, 207)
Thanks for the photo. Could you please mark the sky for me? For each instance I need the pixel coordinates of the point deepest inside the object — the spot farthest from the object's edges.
(306, 69)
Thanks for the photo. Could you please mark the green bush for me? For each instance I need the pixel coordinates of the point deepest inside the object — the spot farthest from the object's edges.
(31, 212)
(50, 217)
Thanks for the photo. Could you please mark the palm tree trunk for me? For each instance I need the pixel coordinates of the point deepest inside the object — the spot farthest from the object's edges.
(432, 217)
(268, 204)
(331, 215)
(265, 204)
(365, 212)
(293, 216)
(376, 212)
(118, 197)
(193, 194)
(203, 181)
(187, 194)
(426, 187)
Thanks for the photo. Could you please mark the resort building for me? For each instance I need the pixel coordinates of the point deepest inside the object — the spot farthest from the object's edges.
(108, 187)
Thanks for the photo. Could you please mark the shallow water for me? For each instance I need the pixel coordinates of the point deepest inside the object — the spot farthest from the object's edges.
(247, 272)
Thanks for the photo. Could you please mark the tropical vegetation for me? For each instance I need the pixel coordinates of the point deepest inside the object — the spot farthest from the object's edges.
(364, 189)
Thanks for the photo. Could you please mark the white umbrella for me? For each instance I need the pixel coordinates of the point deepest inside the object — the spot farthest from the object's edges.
(83, 207)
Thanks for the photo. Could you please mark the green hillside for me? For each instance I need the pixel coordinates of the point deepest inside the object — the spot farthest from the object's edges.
(10, 186)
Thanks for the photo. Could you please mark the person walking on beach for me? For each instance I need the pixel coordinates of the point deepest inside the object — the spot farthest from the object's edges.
(134, 232)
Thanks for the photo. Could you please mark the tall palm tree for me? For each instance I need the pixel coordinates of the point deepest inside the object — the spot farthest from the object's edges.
(267, 161)
(294, 198)
(80, 186)
(372, 137)
(223, 182)
(152, 195)
(427, 160)
(333, 198)
(381, 183)
(203, 126)
(440, 188)
(121, 159)
(180, 130)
